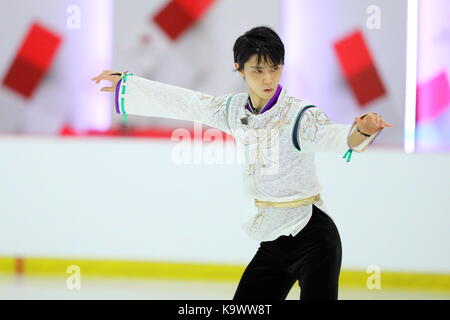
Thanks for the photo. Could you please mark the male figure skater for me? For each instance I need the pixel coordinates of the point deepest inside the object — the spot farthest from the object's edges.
(298, 239)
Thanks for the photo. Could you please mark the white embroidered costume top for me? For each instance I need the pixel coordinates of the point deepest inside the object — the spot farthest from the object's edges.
(278, 144)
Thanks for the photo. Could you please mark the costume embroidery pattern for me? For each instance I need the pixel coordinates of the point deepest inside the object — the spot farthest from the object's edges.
(309, 125)
(264, 139)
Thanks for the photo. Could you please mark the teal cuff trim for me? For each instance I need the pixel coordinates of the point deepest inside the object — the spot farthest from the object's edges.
(126, 76)
(125, 116)
(349, 153)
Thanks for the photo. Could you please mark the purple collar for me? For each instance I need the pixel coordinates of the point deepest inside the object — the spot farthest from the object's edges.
(269, 104)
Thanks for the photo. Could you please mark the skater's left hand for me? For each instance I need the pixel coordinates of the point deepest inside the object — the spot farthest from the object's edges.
(111, 76)
(371, 123)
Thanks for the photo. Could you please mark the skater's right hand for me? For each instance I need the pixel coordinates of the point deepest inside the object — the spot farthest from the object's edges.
(109, 75)
(371, 123)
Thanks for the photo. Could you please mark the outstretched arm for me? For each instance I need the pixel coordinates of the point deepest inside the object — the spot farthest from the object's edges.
(364, 130)
(134, 95)
(315, 132)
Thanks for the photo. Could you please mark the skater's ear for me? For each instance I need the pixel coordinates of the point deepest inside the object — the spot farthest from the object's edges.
(236, 68)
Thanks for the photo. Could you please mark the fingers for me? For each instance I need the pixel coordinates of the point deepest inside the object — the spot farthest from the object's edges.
(376, 119)
(105, 72)
(105, 75)
(381, 123)
(107, 89)
(96, 79)
(384, 124)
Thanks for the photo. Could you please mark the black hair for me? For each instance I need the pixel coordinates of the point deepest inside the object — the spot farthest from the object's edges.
(262, 41)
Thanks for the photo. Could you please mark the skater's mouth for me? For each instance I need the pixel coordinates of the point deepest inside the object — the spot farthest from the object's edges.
(268, 90)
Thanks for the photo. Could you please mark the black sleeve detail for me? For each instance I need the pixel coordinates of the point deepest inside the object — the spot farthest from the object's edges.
(296, 126)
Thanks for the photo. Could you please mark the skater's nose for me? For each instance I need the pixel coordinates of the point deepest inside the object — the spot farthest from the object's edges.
(267, 79)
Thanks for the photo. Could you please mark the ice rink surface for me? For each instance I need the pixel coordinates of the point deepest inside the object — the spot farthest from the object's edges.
(49, 288)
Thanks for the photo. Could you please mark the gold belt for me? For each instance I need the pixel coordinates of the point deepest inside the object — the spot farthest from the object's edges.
(288, 204)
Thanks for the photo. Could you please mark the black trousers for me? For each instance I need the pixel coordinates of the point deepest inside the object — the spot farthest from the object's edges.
(313, 257)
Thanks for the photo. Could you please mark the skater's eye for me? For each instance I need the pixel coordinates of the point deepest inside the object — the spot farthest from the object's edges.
(273, 69)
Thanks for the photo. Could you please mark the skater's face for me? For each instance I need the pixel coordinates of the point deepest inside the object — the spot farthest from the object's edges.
(261, 77)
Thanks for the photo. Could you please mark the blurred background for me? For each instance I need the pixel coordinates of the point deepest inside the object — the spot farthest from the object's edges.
(96, 207)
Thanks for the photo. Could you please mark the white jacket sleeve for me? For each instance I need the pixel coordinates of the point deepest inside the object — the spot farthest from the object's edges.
(135, 95)
(317, 133)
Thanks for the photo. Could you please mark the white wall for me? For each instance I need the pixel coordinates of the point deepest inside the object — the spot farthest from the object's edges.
(310, 28)
(126, 199)
(108, 39)
(66, 95)
(201, 59)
